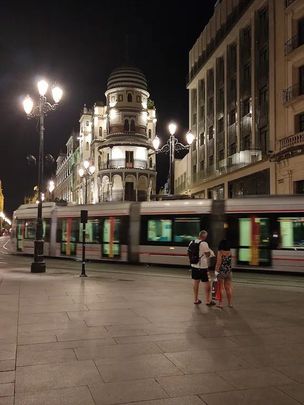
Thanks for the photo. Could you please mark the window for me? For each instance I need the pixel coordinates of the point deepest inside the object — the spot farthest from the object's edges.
(210, 132)
(221, 154)
(211, 161)
(111, 237)
(202, 165)
(129, 159)
(138, 99)
(130, 98)
(246, 74)
(194, 118)
(186, 229)
(246, 107)
(232, 117)
(202, 138)
(99, 162)
(301, 32)
(92, 231)
(254, 239)
(220, 125)
(30, 229)
(120, 97)
(159, 230)
(202, 111)
(301, 122)
(263, 139)
(132, 126)
(87, 146)
(301, 79)
(247, 142)
(126, 126)
(87, 123)
(149, 133)
(232, 149)
(150, 163)
(100, 131)
(292, 232)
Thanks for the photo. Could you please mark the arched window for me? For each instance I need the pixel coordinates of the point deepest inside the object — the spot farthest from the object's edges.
(87, 146)
(150, 133)
(126, 125)
(100, 131)
(129, 97)
(132, 126)
(99, 162)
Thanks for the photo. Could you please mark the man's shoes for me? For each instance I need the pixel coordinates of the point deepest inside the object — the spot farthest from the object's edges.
(210, 303)
(197, 302)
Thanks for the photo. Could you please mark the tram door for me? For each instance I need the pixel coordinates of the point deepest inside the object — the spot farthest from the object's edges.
(111, 237)
(254, 241)
(20, 235)
(68, 232)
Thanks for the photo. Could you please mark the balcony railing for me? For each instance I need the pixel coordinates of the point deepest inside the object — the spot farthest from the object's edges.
(292, 44)
(293, 140)
(292, 93)
(122, 164)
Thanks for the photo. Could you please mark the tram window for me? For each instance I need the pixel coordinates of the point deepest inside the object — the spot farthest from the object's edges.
(159, 230)
(186, 229)
(30, 229)
(92, 231)
(254, 239)
(67, 230)
(292, 232)
(111, 239)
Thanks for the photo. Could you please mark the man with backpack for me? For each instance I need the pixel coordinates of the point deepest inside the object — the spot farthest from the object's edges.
(199, 252)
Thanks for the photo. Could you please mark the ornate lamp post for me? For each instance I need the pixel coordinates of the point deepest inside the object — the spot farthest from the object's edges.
(39, 111)
(170, 147)
(86, 171)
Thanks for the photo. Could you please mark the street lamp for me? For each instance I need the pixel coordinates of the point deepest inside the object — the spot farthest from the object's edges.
(170, 147)
(86, 171)
(39, 111)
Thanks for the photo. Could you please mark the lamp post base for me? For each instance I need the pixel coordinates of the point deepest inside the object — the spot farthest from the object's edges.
(38, 267)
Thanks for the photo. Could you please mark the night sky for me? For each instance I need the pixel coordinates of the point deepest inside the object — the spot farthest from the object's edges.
(78, 45)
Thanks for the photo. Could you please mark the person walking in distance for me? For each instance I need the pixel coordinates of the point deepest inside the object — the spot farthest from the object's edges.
(199, 252)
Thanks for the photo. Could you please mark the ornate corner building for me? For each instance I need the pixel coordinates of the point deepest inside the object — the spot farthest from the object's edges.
(246, 102)
(117, 138)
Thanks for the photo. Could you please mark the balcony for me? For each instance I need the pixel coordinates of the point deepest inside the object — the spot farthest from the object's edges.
(292, 44)
(292, 141)
(292, 93)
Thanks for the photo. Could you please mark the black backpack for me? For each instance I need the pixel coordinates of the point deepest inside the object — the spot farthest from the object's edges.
(193, 252)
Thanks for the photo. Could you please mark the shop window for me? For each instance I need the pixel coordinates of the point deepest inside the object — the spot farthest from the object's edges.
(159, 230)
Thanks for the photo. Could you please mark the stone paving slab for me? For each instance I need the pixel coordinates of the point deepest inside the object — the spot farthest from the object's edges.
(129, 335)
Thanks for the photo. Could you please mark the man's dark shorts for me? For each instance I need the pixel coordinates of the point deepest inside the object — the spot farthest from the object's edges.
(200, 274)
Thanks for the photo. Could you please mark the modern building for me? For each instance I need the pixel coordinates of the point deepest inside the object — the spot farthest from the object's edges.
(246, 102)
(115, 137)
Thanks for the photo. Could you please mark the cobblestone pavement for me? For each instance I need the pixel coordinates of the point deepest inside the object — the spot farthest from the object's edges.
(130, 334)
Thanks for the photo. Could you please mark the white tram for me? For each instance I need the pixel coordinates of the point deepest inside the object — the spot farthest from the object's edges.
(265, 232)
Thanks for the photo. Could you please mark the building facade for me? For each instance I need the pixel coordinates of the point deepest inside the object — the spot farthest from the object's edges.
(115, 137)
(246, 101)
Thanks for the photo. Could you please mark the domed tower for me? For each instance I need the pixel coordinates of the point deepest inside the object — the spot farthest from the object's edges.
(126, 159)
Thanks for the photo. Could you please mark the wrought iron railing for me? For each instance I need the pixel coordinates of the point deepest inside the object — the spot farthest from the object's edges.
(292, 44)
(292, 92)
(293, 140)
(288, 3)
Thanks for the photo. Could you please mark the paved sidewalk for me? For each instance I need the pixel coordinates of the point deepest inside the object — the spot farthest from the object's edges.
(122, 338)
